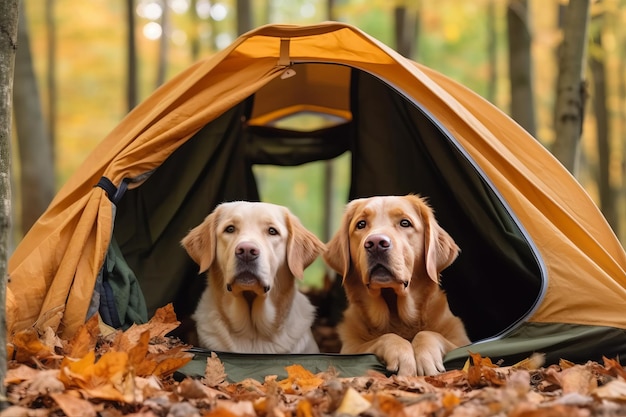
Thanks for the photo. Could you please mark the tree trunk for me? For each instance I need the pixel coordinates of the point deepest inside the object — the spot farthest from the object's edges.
(8, 45)
(598, 68)
(244, 16)
(571, 91)
(37, 183)
(163, 45)
(492, 48)
(51, 76)
(132, 96)
(520, 65)
(406, 29)
(194, 36)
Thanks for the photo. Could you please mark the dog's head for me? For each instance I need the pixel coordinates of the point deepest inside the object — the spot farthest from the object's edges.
(249, 244)
(388, 241)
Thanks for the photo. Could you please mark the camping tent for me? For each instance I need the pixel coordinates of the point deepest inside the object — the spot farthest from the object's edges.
(540, 269)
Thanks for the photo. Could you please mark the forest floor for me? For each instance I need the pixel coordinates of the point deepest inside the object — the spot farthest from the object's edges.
(131, 373)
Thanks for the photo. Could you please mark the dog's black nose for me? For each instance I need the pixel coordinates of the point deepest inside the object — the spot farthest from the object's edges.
(247, 251)
(377, 242)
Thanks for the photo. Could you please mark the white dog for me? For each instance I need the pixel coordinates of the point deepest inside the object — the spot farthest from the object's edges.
(253, 252)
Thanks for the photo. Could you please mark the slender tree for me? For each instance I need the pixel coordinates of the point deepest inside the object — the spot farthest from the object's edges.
(131, 68)
(492, 48)
(51, 74)
(163, 44)
(244, 16)
(571, 88)
(407, 20)
(37, 184)
(8, 46)
(520, 65)
(597, 65)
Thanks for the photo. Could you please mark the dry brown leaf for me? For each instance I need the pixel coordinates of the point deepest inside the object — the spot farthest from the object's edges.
(214, 372)
(144, 363)
(137, 353)
(578, 379)
(19, 374)
(614, 368)
(45, 383)
(26, 346)
(166, 363)
(163, 322)
(19, 411)
(614, 390)
(73, 406)
(449, 379)
(84, 339)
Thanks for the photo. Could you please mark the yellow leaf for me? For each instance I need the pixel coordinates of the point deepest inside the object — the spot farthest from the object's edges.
(353, 403)
(299, 380)
(108, 378)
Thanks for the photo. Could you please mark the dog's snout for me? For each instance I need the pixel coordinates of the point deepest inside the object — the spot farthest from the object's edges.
(247, 251)
(377, 242)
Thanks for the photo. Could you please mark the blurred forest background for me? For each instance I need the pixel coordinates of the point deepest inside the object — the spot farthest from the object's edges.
(81, 65)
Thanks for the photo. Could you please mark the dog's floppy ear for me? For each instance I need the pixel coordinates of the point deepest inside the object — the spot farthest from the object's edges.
(200, 242)
(439, 247)
(302, 245)
(337, 254)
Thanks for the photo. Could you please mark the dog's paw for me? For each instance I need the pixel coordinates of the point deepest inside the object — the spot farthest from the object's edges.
(429, 350)
(397, 353)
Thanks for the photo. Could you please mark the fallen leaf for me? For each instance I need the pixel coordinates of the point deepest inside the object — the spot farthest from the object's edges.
(299, 380)
(535, 361)
(74, 406)
(26, 346)
(614, 368)
(108, 378)
(214, 372)
(84, 339)
(578, 379)
(353, 403)
(19, 374)
(614, 390)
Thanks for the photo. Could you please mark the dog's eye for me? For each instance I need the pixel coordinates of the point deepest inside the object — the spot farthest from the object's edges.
(405, 223)
(230, 229)
(361, 224)
(272, 231)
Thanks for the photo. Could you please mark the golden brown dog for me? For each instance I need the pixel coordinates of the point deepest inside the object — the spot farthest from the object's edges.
(252, 252)
(390, 251)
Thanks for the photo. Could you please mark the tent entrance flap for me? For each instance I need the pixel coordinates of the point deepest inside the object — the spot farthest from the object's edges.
(396, 149)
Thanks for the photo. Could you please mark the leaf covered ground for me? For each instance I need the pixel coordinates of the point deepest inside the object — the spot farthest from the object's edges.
(132, 373)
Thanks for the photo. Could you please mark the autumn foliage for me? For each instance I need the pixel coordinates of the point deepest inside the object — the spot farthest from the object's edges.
(132, 373)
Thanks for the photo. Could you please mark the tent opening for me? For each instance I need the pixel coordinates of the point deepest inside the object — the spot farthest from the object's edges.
(379, 142)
